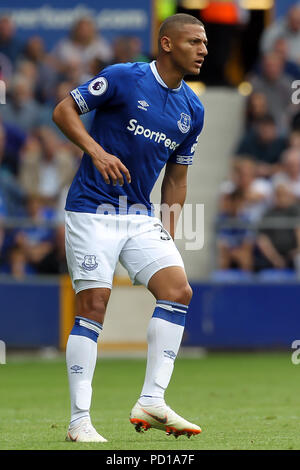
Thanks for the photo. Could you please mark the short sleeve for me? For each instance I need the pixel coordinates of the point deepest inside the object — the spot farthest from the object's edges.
(184, 154)
(99, 91)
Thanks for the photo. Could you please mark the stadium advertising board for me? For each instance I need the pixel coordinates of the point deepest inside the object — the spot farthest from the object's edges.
(52, 20)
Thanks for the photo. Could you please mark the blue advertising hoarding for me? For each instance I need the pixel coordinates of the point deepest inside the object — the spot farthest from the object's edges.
(39, 313)
(53, 19)
(241, 316)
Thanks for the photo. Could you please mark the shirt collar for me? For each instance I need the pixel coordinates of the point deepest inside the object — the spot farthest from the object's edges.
(159, 79)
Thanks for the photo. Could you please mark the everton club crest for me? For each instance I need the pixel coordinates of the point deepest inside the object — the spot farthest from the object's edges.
(89, 263)
(184, 123)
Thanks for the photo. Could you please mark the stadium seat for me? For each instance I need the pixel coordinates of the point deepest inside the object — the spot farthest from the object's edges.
(231, 275)
(277, 275)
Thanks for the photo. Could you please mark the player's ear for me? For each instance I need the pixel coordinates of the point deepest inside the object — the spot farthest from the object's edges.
(166, 44)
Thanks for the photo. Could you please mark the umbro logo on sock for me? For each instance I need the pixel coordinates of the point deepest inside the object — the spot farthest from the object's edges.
(76, 369)
(170, 354)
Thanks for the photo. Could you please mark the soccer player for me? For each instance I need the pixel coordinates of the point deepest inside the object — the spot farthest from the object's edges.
(146, 117)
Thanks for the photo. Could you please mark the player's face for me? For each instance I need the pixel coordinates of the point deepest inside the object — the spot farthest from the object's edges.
(189, 48)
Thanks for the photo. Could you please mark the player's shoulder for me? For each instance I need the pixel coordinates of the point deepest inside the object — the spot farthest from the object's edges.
(195, 106)
(193, 99)
(126, 71)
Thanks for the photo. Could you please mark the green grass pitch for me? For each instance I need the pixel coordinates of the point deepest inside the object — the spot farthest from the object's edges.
(241, 401)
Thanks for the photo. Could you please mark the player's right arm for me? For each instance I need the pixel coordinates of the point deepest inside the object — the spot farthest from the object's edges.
(66, 117)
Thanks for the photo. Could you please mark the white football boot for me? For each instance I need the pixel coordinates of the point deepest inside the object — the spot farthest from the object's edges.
(84, 432)
(163, 418)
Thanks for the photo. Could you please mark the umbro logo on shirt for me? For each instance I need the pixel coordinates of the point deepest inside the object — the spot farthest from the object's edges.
(142, 104)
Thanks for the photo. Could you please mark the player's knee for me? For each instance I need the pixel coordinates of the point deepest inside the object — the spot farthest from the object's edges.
(92, 306)
(186, 295)
(182, 295)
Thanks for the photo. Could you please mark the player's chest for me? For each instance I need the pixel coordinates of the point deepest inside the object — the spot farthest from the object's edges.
(157, 112)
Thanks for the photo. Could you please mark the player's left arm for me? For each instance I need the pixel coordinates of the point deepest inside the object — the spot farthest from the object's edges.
(173, 194)
(174, 185)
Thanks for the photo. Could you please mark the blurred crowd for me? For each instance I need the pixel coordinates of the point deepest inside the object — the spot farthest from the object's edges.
(258, 224)
(37, 163)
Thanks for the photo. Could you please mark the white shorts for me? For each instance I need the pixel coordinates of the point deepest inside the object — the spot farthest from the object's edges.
(95, 243)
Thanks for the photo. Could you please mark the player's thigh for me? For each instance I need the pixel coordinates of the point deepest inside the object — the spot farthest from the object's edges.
(151, 251)
(92, 248)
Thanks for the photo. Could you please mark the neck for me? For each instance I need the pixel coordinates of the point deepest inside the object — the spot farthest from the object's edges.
(170, 75)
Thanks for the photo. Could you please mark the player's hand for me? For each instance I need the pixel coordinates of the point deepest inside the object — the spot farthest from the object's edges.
(111, 168)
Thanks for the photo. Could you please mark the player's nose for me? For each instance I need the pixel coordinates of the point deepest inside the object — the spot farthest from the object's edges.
(203, 50)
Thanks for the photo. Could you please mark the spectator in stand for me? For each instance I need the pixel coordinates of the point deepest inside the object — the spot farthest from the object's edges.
(21, 109)
(235, 242)
(14, 140)
(82, 46)
(46, 166)
(95, 67)
(264, 145)
(256, 108)
(121, 52)
(281, 47)
(55, 261)
(16, 264)
(136, 47)
(62, 90)
(3, 213)
(278, 246)
(295, 121)
(276, 86)
(46, 75)
(11, 194)
(128, 49)
(289, 28)
(290, 174)
(36, 249)
(36, 241)
(294, 139)
(10, 46)
(6, 68)
(72, 71)
(27, 70)
(256, 192)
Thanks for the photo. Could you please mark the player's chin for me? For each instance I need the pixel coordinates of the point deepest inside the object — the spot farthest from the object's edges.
(194, 70)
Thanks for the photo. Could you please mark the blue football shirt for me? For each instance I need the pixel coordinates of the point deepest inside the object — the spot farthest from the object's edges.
(141, 121)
